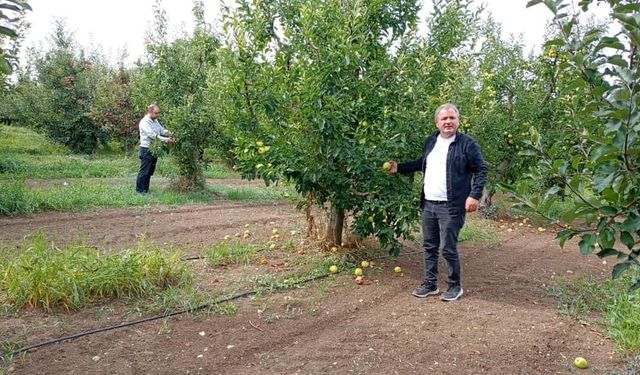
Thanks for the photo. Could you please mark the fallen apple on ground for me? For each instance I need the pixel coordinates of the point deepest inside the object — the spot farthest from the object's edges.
(581, 363)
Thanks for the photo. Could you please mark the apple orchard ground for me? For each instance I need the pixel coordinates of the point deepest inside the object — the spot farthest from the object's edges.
(505, 323)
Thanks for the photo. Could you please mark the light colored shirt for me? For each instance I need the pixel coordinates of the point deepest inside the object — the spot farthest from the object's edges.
(150, 129)
(435, 174)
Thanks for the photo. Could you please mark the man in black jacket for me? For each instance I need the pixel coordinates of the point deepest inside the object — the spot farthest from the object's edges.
(454, 177)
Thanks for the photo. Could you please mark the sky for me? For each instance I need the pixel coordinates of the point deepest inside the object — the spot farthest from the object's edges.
(115, 25)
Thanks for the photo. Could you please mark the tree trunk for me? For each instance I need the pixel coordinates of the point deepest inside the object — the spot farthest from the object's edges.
(485, 204)
(307, 210)
(334, 227)
(487, 195)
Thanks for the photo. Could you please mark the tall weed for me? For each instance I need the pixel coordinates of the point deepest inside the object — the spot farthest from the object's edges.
(16, 198)
(38, 274)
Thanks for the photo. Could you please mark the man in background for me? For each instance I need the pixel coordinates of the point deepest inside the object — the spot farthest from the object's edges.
(150, 129)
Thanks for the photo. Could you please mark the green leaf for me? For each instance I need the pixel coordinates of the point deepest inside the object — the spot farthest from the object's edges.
(607, 238)
(601, 183)
(554, 42)
(14, 8)
(619, 269)
(587, 244)
(608, 252)
(627, 239)
(631, 224)
(609, 42)
(610, 195)
(8, 32)
(551, 4)
(565, 235)
(617, 60)
(5, 67)
(608, 210)
(627, 8)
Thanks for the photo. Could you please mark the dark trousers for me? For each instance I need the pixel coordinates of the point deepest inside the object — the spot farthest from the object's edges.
(440, 229)
(147, 167)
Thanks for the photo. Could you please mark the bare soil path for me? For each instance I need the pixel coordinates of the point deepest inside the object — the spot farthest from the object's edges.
(504, 324)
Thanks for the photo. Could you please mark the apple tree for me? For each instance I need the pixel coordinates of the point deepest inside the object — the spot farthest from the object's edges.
(321, 93)
(65, 79)
(113, 107)
(175, 78)
(601, 173)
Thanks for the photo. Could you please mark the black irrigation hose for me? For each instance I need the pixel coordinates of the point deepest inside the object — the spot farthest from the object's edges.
(126, 324)
(167, 315)
(140, 321)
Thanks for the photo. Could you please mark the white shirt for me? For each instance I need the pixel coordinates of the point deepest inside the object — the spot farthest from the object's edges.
(150, 129)
(435, 174)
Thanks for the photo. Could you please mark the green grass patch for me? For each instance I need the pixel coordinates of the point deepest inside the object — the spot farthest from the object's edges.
(68, 166)
(76, 195)
(478, 231)
(17, 198)
(25, 153)
(91, 166)
(230, 253)
(186, 298)
(619, 310)
(254, 193)
(38, 274)
(219, 170)
(19, 140)
(314, 267)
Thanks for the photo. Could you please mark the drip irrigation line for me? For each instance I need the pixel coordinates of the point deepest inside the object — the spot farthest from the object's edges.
(197, 257)
(149, 319)
(26, 349)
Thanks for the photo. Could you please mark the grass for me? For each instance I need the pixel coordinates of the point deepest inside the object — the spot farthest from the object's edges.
(25, 153)
(254, 193)
(91, 166)
(314, 267)
(187, 298)
(76, 182)
(20, 140)
(477, 231)
(230, 253)
(619, 310)
(38, 274)
(18, 198)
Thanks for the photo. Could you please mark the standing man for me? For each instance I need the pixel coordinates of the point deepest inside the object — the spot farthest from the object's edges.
(454, 177)
(150, 129)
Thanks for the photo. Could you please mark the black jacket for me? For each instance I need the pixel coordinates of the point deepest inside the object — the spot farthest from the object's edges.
(466, 170)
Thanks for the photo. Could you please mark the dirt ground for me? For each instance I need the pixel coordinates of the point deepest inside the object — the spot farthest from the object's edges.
(504, 324)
